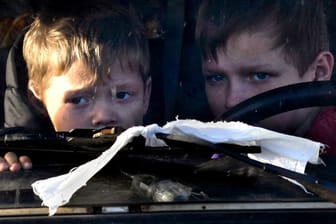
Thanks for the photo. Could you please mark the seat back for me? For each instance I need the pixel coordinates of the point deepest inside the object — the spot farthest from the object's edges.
(18, 110)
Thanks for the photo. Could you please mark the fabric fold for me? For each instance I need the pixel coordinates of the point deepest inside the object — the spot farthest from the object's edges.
(282, 150)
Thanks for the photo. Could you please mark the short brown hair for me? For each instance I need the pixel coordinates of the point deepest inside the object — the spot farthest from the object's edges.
(299, 26)
(116, 35)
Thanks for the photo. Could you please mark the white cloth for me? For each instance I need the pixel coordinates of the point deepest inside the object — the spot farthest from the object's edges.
(282, 150)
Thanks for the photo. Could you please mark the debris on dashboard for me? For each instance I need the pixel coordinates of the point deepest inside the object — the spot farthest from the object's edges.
(283, 151)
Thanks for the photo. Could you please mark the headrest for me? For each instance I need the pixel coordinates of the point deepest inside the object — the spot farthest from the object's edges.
(18, 110)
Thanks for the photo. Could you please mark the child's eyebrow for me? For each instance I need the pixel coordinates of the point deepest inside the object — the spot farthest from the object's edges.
(125, 85)
(257, 67)
(85, 90)
(241, 69)
(122, 83)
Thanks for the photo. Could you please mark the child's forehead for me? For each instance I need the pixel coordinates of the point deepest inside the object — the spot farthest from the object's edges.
(81, 73)
(249, 39)
(246, 43)
(248, 50)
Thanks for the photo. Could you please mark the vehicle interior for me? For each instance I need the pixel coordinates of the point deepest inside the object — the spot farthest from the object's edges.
(231, 189)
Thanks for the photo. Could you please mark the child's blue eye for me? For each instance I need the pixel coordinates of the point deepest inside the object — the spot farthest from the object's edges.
(123, 95)
(79, 100)
(215, 78)
(259, 76)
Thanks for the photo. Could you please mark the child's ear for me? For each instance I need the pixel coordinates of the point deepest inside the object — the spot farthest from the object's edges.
(35, 98)
(34, 90)
(324, 64)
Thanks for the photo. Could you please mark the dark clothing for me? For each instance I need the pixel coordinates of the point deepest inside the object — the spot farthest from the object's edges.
(323, 129)
(3, 59)
(18, 111)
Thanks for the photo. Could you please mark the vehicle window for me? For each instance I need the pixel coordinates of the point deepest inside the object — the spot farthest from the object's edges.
(77, 75)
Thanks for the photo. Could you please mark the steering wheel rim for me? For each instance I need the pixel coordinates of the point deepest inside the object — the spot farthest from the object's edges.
(283, 99)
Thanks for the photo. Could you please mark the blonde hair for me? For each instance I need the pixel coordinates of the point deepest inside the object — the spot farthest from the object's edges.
(52, 45)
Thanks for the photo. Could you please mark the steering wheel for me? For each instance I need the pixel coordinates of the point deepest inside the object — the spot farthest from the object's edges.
(283, 99)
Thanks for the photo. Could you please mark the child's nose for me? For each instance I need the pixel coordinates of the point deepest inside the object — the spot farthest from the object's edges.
(235, 95)
(105, 114)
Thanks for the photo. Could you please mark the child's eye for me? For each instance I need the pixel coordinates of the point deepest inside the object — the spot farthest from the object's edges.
(80, 100)
(123, 95)
(215, 78)
(259, 76)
